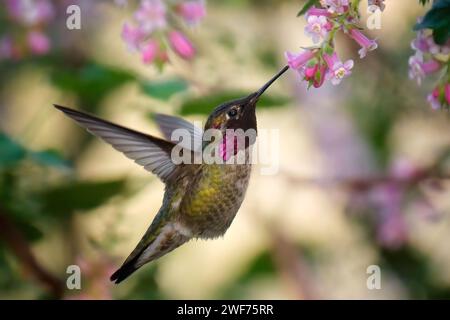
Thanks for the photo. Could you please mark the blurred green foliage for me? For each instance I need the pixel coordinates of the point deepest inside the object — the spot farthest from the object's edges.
(202, 105)
(307, 5)
(164, 90)
(40, 190)
(437, 19)
(260, 267)
(91, 82)
(79, 195)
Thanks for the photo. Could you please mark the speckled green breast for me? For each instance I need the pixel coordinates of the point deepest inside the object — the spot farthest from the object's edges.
(213, 197)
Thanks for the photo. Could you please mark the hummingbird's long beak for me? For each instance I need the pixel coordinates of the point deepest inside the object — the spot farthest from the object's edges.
(258, 93)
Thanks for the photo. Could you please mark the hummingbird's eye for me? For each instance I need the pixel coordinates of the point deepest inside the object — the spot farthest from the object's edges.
(232, 113)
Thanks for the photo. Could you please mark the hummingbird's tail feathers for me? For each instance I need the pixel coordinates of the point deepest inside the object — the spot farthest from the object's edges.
(168, 238)
(123, 272)
(152, 153)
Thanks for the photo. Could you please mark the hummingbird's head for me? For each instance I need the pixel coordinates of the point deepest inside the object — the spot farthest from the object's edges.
(236, 114)
(239, 113)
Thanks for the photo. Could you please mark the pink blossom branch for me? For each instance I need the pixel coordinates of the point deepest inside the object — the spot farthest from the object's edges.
(364, 183)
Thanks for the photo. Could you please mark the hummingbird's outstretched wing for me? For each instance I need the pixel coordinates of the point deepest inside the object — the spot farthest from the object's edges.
(168, 124)
(150, 152)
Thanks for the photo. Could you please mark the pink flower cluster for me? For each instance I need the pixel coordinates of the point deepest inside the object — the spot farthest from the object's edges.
(390, 199)
(155, 25)
(320, 63)
(430, 58)
(33, 16)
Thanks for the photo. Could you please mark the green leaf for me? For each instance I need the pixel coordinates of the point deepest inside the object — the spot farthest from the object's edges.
(30, 231)
(268, 57)
(259, 267)
(437, 19)
(164, 90)
(145, 286)
(10, 151)
(50, 158)
(206, 104)
(92, 82)
(306, 7)
(272, 101)
(415, 271)
(441, 35)
(329, 50)
(80, 195)
(318, 76)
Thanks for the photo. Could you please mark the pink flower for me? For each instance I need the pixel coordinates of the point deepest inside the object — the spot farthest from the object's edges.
(181, 45)
(192, 11)
(436, 49)
(313, 11)
(447, 93)
(365, 43)
(336, 6)
(430, 66)
(419, 69)
(38, 42)
(310, 72)
(133, 36)
(403, 169)
(415, 68)
(149, 51)
(315, 74)
(30, 13)
(151, 15)
(378, 3)
(425, 209)
(337, 69)
(317, 28)
(421, 43)
(319, 76)
(387, 196)
(433, 99)
(393, 231)
(45, 11)
(297, 61)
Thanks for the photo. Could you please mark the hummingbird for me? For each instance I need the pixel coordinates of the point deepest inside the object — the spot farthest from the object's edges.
(200, 200)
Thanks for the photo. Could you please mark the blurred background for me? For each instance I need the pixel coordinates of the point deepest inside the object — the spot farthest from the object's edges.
(363, 166)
